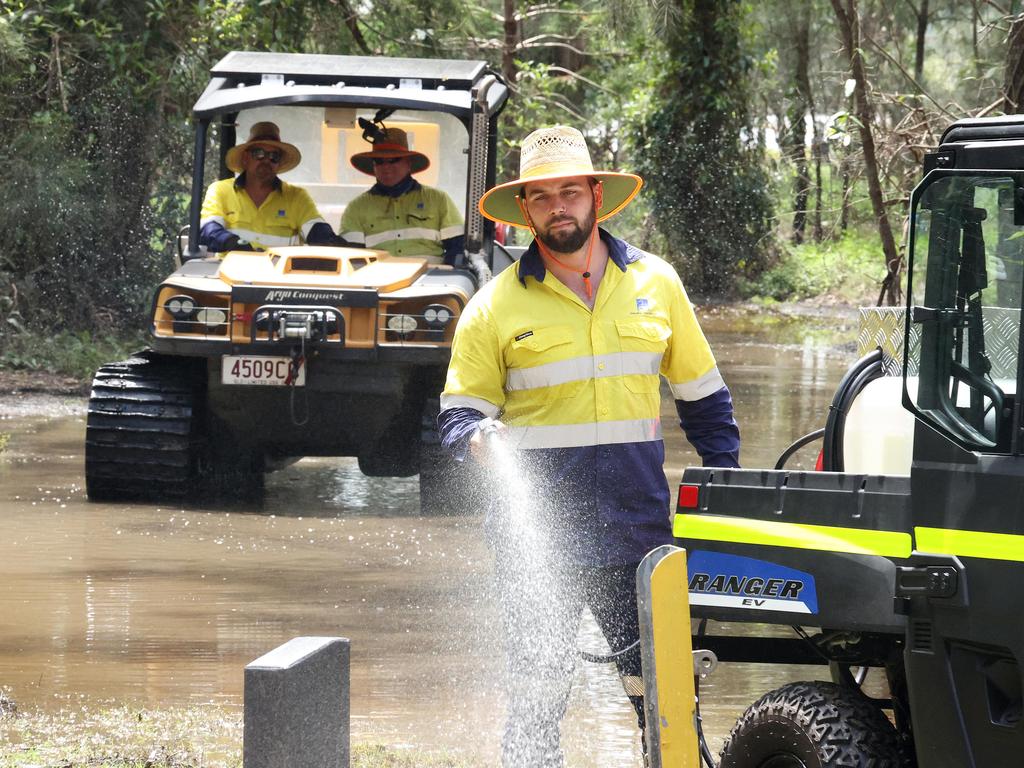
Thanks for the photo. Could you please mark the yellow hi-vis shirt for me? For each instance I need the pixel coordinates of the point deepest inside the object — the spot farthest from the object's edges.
(563, 376)
(284, 218)
(412, 224)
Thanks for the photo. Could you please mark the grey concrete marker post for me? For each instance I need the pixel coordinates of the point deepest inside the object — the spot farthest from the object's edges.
(297, 706)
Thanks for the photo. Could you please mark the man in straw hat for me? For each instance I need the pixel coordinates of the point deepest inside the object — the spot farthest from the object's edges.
(398, 214)
(257, 210)
(567, 348)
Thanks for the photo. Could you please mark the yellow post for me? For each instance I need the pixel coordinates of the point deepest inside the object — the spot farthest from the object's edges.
(663, 599)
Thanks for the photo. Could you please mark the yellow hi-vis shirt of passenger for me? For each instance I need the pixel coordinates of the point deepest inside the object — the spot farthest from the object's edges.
(284, 218)
(412, 224)
(563, 376)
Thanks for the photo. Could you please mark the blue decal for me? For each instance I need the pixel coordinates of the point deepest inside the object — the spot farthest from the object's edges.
(732, 581)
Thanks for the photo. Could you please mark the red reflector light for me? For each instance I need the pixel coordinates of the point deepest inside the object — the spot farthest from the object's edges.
(242, 317)
(819, 465)
(688, 496)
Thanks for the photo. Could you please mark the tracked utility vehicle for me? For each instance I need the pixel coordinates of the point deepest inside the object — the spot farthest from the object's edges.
(258, 358)
(905, 558)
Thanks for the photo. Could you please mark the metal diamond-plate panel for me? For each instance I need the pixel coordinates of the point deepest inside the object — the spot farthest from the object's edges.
(883, 327)
(1001, 328)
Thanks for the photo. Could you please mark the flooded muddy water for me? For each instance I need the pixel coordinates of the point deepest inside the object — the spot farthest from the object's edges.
(162, 606)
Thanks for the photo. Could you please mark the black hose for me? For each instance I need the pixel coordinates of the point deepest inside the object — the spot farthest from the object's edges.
(705, 750)
(799, 443)
(594, 658)
(854, 380)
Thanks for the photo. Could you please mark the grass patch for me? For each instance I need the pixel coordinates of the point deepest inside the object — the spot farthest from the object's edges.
(74, 354)
(193, 737)
(844, 271)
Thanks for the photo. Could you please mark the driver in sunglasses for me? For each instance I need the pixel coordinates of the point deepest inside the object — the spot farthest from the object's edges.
(257, 210)
(398, 214)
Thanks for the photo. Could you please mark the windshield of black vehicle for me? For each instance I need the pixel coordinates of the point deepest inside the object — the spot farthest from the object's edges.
(965, 294)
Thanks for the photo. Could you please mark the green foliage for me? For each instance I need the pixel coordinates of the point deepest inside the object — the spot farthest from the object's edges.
(707, 185)
(76, 354)
(847, 270)
(5, 439)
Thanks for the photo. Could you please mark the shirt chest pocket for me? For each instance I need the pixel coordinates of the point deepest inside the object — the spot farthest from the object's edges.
(643, 335)
(543, 359)
(644, 343)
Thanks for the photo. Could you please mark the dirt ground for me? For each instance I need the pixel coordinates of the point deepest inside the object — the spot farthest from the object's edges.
(31, 393)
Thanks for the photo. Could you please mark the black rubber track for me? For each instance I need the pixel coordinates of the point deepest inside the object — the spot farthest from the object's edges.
(143, 432)
(812, 725)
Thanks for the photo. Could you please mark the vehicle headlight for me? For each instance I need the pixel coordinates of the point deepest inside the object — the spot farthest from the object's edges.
(403, 325)
(437, 316)
(211, 317)
(180, 307)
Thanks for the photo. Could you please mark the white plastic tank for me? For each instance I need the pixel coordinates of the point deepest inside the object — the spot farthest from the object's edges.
(879, 435)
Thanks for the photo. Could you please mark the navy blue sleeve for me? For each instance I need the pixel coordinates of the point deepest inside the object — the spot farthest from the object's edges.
(711, 428)
(215, 237)
(453, 249)
(322, 234)
(457, 426)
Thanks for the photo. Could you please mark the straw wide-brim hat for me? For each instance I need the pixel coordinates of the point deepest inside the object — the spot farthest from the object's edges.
(267, 134)
(556, 153)
(395, 143)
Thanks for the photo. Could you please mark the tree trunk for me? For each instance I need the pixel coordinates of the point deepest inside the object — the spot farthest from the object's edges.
(803, 105)
(1013, 79)
(922, 30)
(849, 25)
(511, 42)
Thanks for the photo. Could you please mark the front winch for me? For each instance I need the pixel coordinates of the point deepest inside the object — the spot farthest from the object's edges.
(302, 323)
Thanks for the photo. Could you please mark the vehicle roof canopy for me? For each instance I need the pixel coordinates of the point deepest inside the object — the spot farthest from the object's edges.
(246, 79)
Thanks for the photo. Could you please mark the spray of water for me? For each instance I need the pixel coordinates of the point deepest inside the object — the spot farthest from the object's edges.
(541, 619)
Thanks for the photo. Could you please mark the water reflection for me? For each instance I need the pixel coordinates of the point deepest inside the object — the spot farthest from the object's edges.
(163, 606)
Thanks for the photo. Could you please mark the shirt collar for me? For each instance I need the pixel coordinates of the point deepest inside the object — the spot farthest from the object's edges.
(408, 184)
(240, 181)
(619, 251)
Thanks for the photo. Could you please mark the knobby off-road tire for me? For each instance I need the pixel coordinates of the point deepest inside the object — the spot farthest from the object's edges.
(812, 725)
(143, 433)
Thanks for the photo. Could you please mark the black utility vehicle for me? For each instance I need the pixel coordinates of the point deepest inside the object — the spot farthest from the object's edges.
(917, 575)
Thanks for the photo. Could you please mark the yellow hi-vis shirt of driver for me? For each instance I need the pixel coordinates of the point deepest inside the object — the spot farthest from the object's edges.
(284, 218)
(563, 376)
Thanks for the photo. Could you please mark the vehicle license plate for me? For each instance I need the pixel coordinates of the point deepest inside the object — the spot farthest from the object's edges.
(252, 369)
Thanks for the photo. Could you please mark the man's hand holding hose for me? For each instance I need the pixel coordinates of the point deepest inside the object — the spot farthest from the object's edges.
(489, 432)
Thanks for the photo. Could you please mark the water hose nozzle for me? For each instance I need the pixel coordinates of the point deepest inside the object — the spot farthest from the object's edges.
(489, 429)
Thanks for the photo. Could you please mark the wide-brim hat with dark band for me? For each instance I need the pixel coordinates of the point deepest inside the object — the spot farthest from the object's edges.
(394, 143)
(555, 153)
(267, 134)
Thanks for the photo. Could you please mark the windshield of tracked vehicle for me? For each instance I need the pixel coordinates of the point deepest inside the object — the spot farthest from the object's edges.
(965, 290)
(328, 137)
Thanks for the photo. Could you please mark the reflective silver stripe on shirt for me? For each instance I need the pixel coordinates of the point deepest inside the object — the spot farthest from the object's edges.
(577, 368)
(252, 236)
(411, 233)
(698, 389)
(581, 435)
(207, 219)
(451, 232)
(309, 225)
(354, 237)
(463, 401)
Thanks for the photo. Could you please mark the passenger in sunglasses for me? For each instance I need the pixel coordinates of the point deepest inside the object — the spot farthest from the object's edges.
(398, 214)
(256, 210)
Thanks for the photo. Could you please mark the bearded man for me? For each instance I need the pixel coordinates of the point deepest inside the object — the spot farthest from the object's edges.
(560, 357)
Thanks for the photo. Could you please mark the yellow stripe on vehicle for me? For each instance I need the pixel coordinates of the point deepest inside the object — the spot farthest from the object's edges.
(949, 541)
(825, 538)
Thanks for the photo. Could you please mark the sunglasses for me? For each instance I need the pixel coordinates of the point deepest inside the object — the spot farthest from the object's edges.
(258, 153)
(386, 160)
